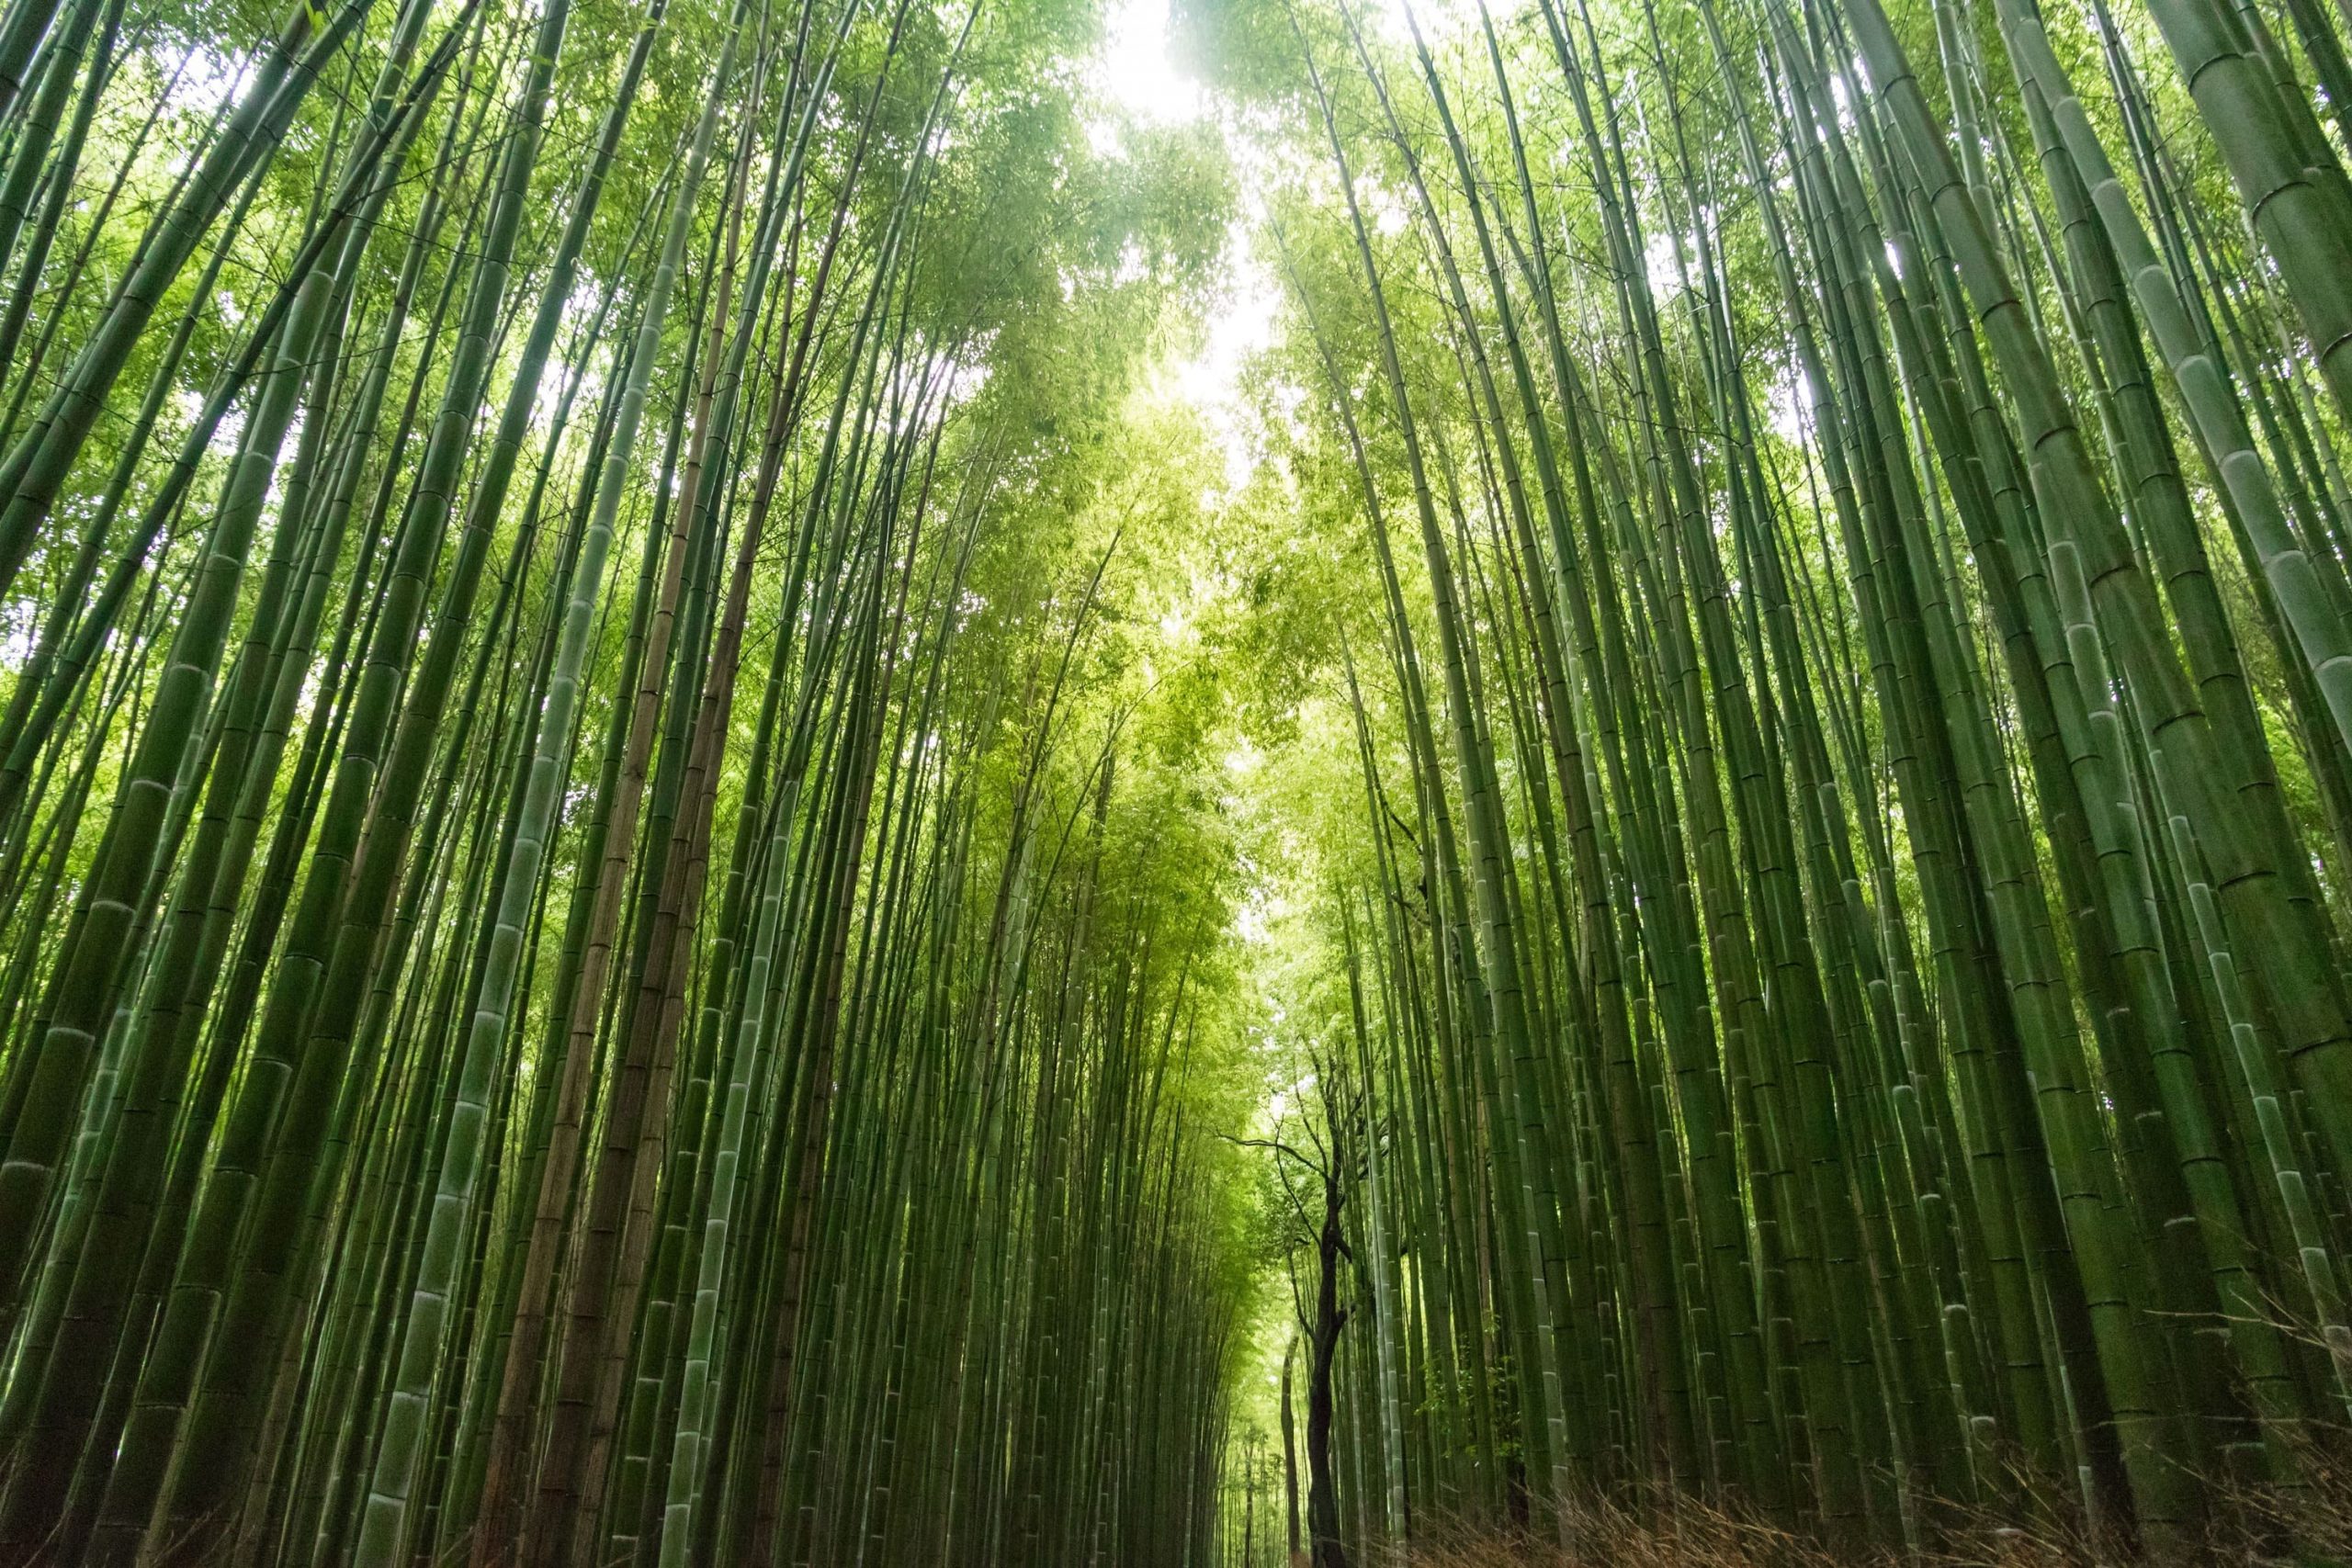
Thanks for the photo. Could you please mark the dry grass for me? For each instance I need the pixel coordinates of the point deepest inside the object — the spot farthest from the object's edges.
(2306, 1529)
(1694, 1536)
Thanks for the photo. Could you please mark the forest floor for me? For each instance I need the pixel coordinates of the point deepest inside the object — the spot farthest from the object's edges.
(2312, 1529)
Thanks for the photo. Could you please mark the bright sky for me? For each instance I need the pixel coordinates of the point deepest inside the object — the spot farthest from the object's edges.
(1139, 73)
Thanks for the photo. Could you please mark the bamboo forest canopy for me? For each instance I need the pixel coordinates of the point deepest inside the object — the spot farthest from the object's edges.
(982, 781)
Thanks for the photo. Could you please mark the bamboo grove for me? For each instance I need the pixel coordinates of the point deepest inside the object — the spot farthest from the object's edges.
(1826, 881)
(692, 872)
(609, 955)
